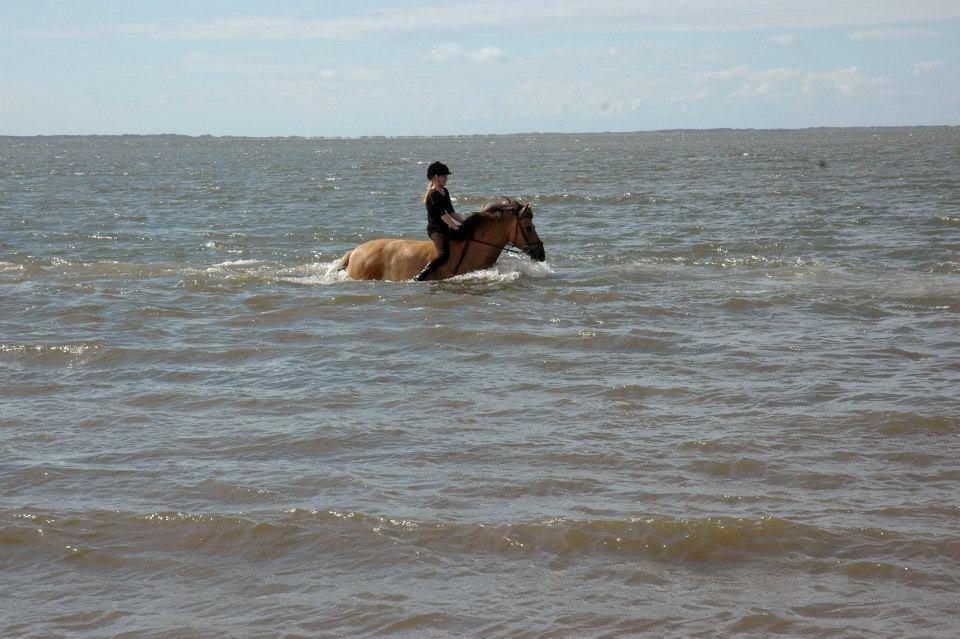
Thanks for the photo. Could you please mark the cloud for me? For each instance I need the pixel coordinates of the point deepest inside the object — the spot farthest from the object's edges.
(603, 54)
(724, 74)
(451, 52)
(779, 74)
(487, 54)
(784, 39)
(921, 69)
(695, 97)
(849, 81)
(540, 97)
(537, 15)
(893, 34)
(766, 82)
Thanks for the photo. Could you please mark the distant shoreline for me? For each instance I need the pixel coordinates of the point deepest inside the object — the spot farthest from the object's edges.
(209, 136)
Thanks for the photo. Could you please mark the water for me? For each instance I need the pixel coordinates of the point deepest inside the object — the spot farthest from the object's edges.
(727, 402)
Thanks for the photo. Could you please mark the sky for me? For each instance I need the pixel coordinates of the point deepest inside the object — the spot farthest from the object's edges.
(362, 67)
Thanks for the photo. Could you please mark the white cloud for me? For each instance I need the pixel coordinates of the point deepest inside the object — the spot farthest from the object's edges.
(723, 74)
(848, 81)
(921, 69)
(696, 97)
(487, 54)
(766, 82)
(777, 75)
(784, 39)
(543, 16)
(542, 97)
(893, 34)
(451, 52)
(446, 52)
(602, 54)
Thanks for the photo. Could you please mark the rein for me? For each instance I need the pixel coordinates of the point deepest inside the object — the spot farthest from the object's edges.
(509, 247)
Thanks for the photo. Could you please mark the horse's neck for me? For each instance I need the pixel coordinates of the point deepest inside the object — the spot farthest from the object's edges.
(495, 233)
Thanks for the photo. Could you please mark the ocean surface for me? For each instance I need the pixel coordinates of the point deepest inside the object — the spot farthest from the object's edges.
(727, 404)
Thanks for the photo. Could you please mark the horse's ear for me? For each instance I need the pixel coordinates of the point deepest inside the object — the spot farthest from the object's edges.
(526, 211)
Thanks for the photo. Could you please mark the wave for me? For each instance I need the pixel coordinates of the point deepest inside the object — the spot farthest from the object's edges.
(315, 274)
(718, 258)
(628, 197)
(900, 423)
(507, 269)
(48, 353)
(275, 534)
(241, 272)
(946, 267)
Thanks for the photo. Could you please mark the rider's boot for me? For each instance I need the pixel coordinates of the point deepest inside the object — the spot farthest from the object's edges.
(425, 273)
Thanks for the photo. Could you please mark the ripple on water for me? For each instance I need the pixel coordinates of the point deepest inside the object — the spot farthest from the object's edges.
(48, 354)
(906, 423)
(688, 541)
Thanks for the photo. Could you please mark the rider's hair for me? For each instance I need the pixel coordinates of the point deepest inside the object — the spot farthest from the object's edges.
(423, 198)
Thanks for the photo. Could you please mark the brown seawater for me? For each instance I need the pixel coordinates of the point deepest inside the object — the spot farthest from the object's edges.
(727, 402)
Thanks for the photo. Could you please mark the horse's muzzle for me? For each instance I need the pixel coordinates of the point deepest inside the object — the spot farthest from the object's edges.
(536, 251)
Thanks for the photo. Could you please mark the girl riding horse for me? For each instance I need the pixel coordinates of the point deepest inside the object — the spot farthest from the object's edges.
(441, 218)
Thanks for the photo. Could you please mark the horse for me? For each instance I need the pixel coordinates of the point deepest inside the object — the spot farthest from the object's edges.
(475, 246)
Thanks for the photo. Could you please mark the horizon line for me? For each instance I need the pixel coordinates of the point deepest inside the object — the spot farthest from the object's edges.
(457, 135)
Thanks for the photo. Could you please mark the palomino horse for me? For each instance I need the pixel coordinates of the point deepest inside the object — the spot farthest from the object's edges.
(477, 245)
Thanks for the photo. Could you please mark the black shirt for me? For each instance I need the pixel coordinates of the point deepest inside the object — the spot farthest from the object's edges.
(437, 204)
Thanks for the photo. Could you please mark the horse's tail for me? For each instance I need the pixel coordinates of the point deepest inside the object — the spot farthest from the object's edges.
(344, 262)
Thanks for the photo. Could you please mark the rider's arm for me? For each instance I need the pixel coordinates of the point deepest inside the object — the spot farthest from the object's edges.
(456, 216)
(453, 220)
(451, 217)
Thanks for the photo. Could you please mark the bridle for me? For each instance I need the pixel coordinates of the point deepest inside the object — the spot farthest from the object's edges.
(527, 244)
(512, 246)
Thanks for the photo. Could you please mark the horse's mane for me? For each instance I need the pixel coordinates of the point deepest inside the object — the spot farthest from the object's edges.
(498, 209)
(491, 211)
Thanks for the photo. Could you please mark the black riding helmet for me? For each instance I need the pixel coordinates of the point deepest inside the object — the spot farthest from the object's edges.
(437, 168)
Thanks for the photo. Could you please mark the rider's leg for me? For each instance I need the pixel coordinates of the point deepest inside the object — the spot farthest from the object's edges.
(442, 244)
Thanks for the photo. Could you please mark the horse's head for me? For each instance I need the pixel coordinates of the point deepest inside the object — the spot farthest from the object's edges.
(524, 233)
(530, 243)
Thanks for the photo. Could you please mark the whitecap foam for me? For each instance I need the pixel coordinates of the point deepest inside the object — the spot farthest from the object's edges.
(508, 269)
(314, 274)
(797, 264)
(41, 349)
(236, 263)
(487, 275)
(10, 266)
(235, 268)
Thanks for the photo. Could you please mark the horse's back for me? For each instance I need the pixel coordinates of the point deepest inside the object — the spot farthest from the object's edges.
(389, 259)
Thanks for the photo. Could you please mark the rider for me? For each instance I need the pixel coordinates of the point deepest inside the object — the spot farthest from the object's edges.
(441, 218)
